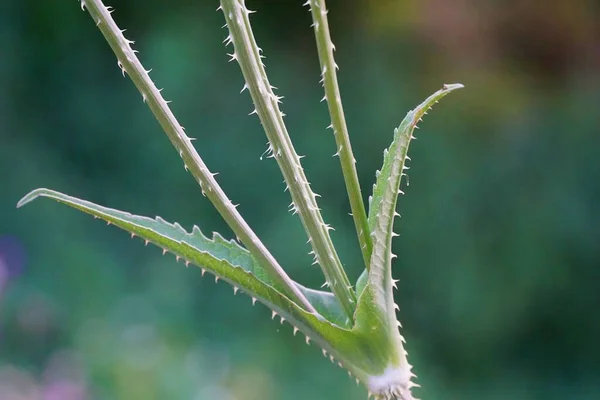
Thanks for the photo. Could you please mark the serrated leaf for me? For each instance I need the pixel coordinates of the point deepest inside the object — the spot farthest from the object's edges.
(223, 258)
(387, 185)
(376, 305)
(362, 350)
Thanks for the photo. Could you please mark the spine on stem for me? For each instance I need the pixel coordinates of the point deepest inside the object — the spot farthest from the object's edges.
(130, 64)
(248, 55)
(325, 49)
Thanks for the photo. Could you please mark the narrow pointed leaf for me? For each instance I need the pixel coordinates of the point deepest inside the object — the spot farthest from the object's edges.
(223, 258)
(358, 349)
(376, 307)
(395, 156)
(382, 203)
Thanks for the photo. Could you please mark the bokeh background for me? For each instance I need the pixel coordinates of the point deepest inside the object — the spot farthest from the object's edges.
(499, 253)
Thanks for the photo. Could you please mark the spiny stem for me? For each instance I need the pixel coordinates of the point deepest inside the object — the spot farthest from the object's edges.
(129, 63)
(248, 55)
(325, 49)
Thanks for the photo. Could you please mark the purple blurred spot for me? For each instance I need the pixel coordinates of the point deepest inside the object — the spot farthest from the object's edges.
(3, 274)
(64, 377)
(12, 257)
(64, 390)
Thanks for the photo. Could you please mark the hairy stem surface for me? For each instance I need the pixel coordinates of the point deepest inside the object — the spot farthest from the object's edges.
(325, 49)
(128, 62)
(266, 103)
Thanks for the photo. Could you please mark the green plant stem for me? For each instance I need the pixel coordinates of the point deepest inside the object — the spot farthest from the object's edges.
(325, 49)
(248, 55)
(129, 63)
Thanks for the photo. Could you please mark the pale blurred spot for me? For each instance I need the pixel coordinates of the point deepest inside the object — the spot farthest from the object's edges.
(64, 377)
(16, 384)
(36, 316)
(64, 390)
(141, 347)
(95, 340)
(194, 362)
(133, 309)
(64, 365)
(208, 362)
(214, 392)
(251, 384)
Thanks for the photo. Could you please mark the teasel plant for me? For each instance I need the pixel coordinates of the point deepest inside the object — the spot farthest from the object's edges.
(354, 325)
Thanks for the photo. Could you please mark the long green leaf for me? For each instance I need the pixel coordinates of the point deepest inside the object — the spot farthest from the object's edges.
(362, 349)
(224, 258)
(382, 208)
(376, 305)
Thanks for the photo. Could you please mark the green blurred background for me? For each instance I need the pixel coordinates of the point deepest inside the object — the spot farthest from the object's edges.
(499, 254)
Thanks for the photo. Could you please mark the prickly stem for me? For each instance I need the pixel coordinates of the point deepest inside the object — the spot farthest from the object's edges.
(130, 63)
(325, 49)
(248, 55)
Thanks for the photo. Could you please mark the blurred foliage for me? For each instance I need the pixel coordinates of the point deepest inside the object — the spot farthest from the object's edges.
(499, 255)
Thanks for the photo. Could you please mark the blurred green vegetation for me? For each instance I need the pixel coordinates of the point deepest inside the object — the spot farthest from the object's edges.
(499, 253)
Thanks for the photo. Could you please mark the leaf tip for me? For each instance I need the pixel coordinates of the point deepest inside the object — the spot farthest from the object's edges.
(449, 87)
(34, 194)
